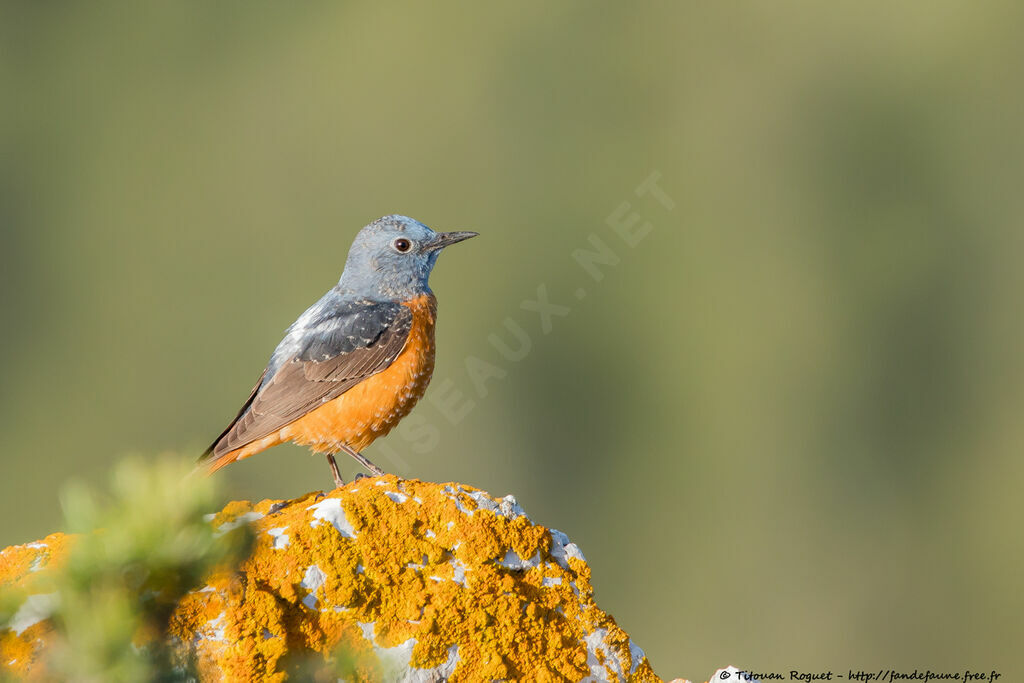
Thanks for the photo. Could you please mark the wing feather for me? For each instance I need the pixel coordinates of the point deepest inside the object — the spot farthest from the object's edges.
(331, 353)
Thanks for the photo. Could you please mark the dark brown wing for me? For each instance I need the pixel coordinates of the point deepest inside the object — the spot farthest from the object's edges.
(322, 357)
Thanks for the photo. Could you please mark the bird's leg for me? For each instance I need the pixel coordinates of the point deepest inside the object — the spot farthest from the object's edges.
(338, 481)
(362, 460)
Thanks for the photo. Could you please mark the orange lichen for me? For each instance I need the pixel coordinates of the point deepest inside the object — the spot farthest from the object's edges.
(19, 650)
(18, 563)
(22, 567)
(434, 571)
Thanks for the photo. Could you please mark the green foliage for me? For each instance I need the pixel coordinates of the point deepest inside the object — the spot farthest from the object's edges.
(341, 664)
(142, 548)
(10, 600)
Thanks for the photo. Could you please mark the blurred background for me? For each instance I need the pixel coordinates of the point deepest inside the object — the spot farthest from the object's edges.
(785, 426)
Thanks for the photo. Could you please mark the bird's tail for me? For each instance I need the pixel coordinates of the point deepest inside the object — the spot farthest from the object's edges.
(209, 463)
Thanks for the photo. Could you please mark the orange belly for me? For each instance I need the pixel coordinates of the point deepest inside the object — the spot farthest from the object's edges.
(371, 408)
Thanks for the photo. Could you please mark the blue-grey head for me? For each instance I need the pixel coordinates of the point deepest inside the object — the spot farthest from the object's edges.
(391, 259)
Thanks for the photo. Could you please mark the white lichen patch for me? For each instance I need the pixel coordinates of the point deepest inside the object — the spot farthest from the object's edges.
(396, 661)
(281, 539)
(211, 631)
(397, 658)
(439, 673)
(482, 500)
(418, 566)
(508, 507)
(637, 654)
(40, 559)
(598, 650)
(516, 563)
(562, 549)
(36, 608)
(312, 581)
(238, 521)
(458, 572)
(455, 496)
(216, 627)
(396, 496)
(330, 509)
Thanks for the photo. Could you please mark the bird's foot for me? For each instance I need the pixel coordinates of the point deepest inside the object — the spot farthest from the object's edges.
(338, 481)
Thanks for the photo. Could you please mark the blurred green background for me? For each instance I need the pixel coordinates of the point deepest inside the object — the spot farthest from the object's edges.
(786, 428)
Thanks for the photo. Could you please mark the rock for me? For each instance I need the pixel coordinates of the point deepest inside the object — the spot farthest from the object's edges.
(414, 581)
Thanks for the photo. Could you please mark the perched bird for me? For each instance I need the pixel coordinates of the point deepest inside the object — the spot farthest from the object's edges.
(357, 361)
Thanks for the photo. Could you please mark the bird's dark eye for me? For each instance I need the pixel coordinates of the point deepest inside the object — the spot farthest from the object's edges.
(402, 245)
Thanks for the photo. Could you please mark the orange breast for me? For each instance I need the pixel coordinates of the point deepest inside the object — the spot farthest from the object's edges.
(373, 407)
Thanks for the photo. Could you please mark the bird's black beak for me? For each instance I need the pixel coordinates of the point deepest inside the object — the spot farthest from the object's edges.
(444, 239)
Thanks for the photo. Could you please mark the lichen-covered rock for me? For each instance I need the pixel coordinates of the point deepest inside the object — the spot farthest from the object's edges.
(20, 645)
(414, 581)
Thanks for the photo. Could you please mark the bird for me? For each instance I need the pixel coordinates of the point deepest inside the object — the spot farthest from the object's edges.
(356, 361)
